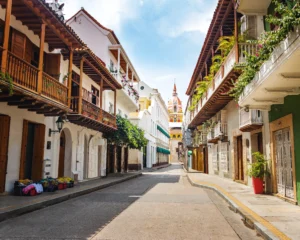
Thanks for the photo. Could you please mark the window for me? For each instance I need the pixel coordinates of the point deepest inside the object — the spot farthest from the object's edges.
(111, 107)
(95, 95)
(175, 108)
(119, 112)
(111, 66)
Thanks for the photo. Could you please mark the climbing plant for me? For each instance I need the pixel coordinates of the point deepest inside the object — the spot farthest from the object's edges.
(128, 135)
(7, 78)
(286, 19)
(225, 44)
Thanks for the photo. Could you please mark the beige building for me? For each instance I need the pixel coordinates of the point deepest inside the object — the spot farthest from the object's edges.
(175, 125)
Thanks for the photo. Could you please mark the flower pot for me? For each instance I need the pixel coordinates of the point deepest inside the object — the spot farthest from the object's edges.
(258, 185)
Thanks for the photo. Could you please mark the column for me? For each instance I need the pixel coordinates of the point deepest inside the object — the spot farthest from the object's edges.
(41, 58)
(115, 102)
(118, 68)
(6, 35)
(80, 87)
(70, 77)
(236, 36)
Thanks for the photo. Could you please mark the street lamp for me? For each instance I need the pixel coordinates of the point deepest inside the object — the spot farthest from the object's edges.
(59, 123)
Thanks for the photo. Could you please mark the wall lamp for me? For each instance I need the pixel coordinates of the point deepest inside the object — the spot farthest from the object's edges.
(59, 123)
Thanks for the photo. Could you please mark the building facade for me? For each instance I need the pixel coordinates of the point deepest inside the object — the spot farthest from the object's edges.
(175, 126)
(263, 117)
(153, 119)
(46, 113)
(108, 48)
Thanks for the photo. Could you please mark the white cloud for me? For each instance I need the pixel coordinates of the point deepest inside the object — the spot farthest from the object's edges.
(110, 13)
(175, 24)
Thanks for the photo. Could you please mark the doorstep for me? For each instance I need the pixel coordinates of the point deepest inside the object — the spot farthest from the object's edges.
(12, 206)
(270, 216)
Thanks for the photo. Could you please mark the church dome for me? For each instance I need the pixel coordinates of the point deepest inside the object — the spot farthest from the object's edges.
(174, 104)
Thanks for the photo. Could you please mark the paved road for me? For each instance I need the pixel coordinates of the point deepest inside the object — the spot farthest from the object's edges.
(159, 205)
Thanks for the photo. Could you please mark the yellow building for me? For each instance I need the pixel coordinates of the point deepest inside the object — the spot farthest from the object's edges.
(175, 125)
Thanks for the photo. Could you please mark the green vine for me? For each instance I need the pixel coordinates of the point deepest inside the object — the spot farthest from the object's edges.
(7, 78)
(225, 44)
(127, 134)
(286, 21)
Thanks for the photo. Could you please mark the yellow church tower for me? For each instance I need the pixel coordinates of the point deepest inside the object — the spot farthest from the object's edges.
(175, 125)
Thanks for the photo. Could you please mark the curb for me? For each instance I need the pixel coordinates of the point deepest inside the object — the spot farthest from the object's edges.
(39, 205)
(262, 226)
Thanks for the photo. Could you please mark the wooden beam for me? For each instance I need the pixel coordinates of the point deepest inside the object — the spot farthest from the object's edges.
(115, 102)
(100, 74)
(6, 35)
(41, 58)
(70, 77)
(80, 87)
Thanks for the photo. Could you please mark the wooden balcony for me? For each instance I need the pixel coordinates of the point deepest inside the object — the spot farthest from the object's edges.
(250, 120)
(91, 116)
(216, 96)
(20, 87)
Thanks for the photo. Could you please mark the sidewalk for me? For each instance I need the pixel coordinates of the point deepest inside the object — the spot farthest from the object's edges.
(12, 206)
(272, 217)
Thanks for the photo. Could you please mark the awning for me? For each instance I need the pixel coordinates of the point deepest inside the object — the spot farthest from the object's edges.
(163, 150)
(163, 131)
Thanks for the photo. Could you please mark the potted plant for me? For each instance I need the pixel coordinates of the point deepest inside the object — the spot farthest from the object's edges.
(258, 170)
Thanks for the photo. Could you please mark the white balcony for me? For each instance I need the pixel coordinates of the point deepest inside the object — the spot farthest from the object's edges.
(211, 136)
(250, 119)
(277, 78)
(220, 130)
(253, 7)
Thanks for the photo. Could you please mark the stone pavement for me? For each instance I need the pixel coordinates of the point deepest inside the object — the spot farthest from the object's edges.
(12, 206)
(272, 217)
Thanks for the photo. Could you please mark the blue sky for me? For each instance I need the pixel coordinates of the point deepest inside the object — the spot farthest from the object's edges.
(163, 38)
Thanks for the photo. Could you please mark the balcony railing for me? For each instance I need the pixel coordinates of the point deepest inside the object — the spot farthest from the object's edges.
(220, 129)
(25, 75)
(54, 89)
(224, 70)
(92, 111)
(127, 88)
(210, 135)
(22, 73)
(250, 119)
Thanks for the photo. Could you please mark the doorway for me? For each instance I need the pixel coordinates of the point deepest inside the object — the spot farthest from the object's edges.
(32, 151)
(283, 161)
(62, 147)
(205, 159)
(119, 159)
(86, 158)
(240, 164)
(125, 159)
(4, 137)
(99, 160)
(110, 158)
(145, 157)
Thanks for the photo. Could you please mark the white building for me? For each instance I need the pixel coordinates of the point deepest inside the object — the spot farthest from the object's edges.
(153, 119)
(43, 86)
(105, 44)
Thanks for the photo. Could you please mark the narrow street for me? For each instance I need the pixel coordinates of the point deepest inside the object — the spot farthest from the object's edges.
(158, 205)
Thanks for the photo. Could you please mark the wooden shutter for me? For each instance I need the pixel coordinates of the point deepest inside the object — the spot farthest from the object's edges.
(23, 149)
(4, 137)
(52, 66)
(28, 51)
(38, 152)
(18, 44)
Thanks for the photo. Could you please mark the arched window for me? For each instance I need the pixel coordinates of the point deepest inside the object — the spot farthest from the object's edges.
(175, 108)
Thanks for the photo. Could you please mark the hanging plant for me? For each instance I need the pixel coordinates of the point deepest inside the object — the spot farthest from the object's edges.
(289, 18)
(7, 78)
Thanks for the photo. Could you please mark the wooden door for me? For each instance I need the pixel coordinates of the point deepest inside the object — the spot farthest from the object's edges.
(240, 165)
(283, 161)
(52, 65)
(205, 159)
(18, 44)
(260, 146)
(38, 152)
(119, 159)
(4, 137)
(126, 159)
(23, 149)
(62, 146)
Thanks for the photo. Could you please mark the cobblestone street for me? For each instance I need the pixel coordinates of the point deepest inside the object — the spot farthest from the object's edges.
(158, 205)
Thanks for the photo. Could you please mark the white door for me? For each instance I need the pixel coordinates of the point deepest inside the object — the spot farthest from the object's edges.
(284, 167)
